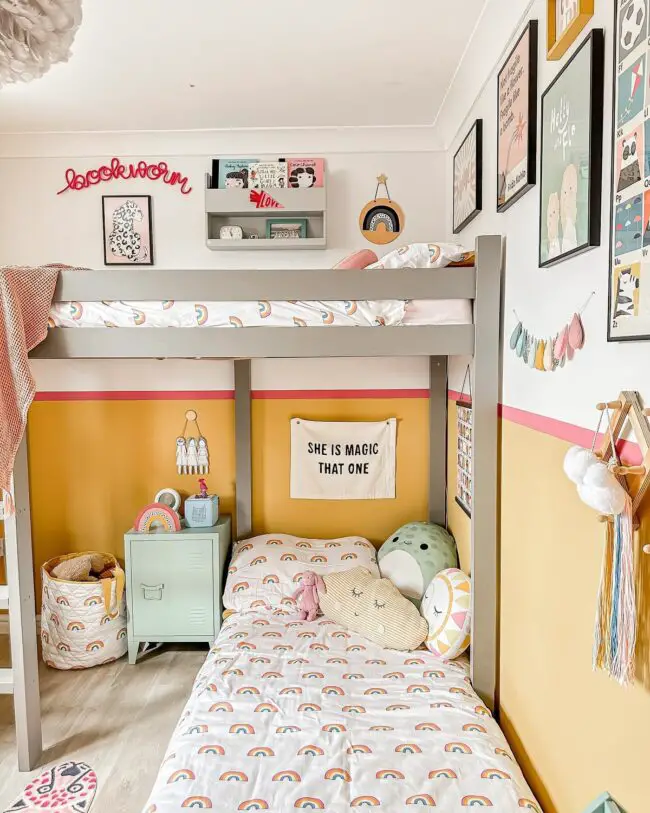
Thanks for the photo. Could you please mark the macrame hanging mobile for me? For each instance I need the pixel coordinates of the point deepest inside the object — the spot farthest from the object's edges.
(34, 35)
(549, 353)
(192, 455)
(602, 486)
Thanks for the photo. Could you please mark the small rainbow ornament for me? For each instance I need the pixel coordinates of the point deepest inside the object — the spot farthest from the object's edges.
(66, 788)
(157, 517)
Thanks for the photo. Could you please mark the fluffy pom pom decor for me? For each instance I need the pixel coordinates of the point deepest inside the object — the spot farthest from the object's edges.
(616, 615)
(597, 486)
(34, 35)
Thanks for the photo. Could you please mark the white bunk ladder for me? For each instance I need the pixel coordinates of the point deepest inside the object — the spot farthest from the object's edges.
(17, 596)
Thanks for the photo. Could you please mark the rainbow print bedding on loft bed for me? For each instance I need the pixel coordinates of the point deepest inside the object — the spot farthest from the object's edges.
(432, 257)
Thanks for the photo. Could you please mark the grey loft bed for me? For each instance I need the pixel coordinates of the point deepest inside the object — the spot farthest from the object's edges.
(482, 339)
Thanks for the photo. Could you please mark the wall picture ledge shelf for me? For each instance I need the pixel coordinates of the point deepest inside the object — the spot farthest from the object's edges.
(233, 207)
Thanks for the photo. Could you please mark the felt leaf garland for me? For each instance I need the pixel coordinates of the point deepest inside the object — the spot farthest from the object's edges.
(551, 352)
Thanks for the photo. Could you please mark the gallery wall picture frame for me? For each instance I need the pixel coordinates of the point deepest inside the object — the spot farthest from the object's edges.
(628, 315)
(571, 164)
(566, 20)
(468, 178)
(127, 227)
(517, 120)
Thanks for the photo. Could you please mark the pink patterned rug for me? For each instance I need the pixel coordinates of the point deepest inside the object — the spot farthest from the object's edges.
(67, 788)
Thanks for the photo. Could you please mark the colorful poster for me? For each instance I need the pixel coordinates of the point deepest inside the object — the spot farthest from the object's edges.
(571, 165)
(629, 293)
(566, 12)
(517, 147)
(468, 178)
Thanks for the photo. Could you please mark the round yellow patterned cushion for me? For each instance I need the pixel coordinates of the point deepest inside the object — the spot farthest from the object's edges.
(446, 605)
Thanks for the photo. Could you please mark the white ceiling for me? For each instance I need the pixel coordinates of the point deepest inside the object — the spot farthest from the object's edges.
(230, 64)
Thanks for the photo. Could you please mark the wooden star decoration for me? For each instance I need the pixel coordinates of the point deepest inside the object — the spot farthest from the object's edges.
(635, 479)
(381, 179)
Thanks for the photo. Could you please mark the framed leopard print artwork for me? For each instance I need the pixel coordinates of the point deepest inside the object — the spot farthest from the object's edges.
(128, 229)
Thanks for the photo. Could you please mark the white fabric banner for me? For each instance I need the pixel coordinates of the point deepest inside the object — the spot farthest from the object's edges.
(336, 460)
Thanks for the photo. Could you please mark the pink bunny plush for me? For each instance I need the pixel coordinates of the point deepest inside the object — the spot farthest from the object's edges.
(307, 595)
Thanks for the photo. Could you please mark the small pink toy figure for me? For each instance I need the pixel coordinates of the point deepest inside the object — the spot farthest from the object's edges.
(204, 488)
(307, 595)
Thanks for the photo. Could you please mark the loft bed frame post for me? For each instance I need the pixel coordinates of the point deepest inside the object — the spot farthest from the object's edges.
(438, 440)
(243, 447)
(485, 469)
(22, 618)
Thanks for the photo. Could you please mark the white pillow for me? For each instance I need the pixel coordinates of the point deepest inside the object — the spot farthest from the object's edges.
(446, 606)
(265, 571)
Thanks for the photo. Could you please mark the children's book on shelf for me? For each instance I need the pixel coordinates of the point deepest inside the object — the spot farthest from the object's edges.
(268, 175)
(232, 173)
(305, 173)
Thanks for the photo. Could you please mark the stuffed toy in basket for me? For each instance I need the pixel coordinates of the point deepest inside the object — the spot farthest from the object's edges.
(83, 615)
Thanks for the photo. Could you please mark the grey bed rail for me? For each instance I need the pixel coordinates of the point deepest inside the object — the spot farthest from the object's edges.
(244, 285)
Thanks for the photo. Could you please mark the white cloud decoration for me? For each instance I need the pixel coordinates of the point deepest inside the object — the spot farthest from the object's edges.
(34, 35)
(597, 485)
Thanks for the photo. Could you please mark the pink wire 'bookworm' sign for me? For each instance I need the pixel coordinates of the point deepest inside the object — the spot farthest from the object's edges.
(116, 170)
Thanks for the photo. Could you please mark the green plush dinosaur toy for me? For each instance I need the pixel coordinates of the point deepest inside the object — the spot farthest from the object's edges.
(414, 554)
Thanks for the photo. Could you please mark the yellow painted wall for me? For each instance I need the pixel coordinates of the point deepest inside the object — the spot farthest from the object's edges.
(94, 464)
(374, 519)
(575, 733)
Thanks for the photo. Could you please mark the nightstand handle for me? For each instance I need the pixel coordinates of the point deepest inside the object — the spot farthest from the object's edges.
(147, 589)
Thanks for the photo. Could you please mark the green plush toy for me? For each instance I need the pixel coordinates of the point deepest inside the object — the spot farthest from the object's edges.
(414, 554)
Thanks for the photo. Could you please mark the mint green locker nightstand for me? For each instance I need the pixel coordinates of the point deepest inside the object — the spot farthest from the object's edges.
(174, 584)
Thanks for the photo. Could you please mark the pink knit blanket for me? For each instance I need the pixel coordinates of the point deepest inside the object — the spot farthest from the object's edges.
(25, 299)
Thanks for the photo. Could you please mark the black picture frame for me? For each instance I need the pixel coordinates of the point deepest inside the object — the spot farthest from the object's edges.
(614, 198)
(532, 30)
(478, 157)
(150, 260)
(595, 41)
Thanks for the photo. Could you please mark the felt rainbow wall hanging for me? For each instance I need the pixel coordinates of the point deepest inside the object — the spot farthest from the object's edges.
(552, 351)
(381, 220)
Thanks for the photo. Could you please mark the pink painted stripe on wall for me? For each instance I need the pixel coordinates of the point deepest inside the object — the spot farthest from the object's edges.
(218, 395)
(135, 395)
(315, 395)
(577, 435)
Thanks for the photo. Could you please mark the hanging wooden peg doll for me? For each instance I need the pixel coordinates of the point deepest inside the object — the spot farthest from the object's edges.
(204, 461)
(192, 457)
(181, 456)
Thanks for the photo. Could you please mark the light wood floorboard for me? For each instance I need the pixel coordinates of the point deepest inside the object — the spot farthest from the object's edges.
(117, 718)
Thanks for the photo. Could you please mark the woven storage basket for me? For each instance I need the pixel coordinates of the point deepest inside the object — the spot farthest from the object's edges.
(83, 624)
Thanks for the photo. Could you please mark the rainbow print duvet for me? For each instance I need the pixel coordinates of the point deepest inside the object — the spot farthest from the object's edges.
(288, 715)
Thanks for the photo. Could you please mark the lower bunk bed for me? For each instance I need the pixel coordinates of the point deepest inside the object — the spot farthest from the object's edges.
(289, 714)
(296, 715)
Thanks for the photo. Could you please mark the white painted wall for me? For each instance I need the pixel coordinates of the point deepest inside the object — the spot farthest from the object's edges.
(38, 226)
(545, 298)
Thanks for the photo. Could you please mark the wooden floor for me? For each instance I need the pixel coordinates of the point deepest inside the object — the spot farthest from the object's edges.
(117, 718)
